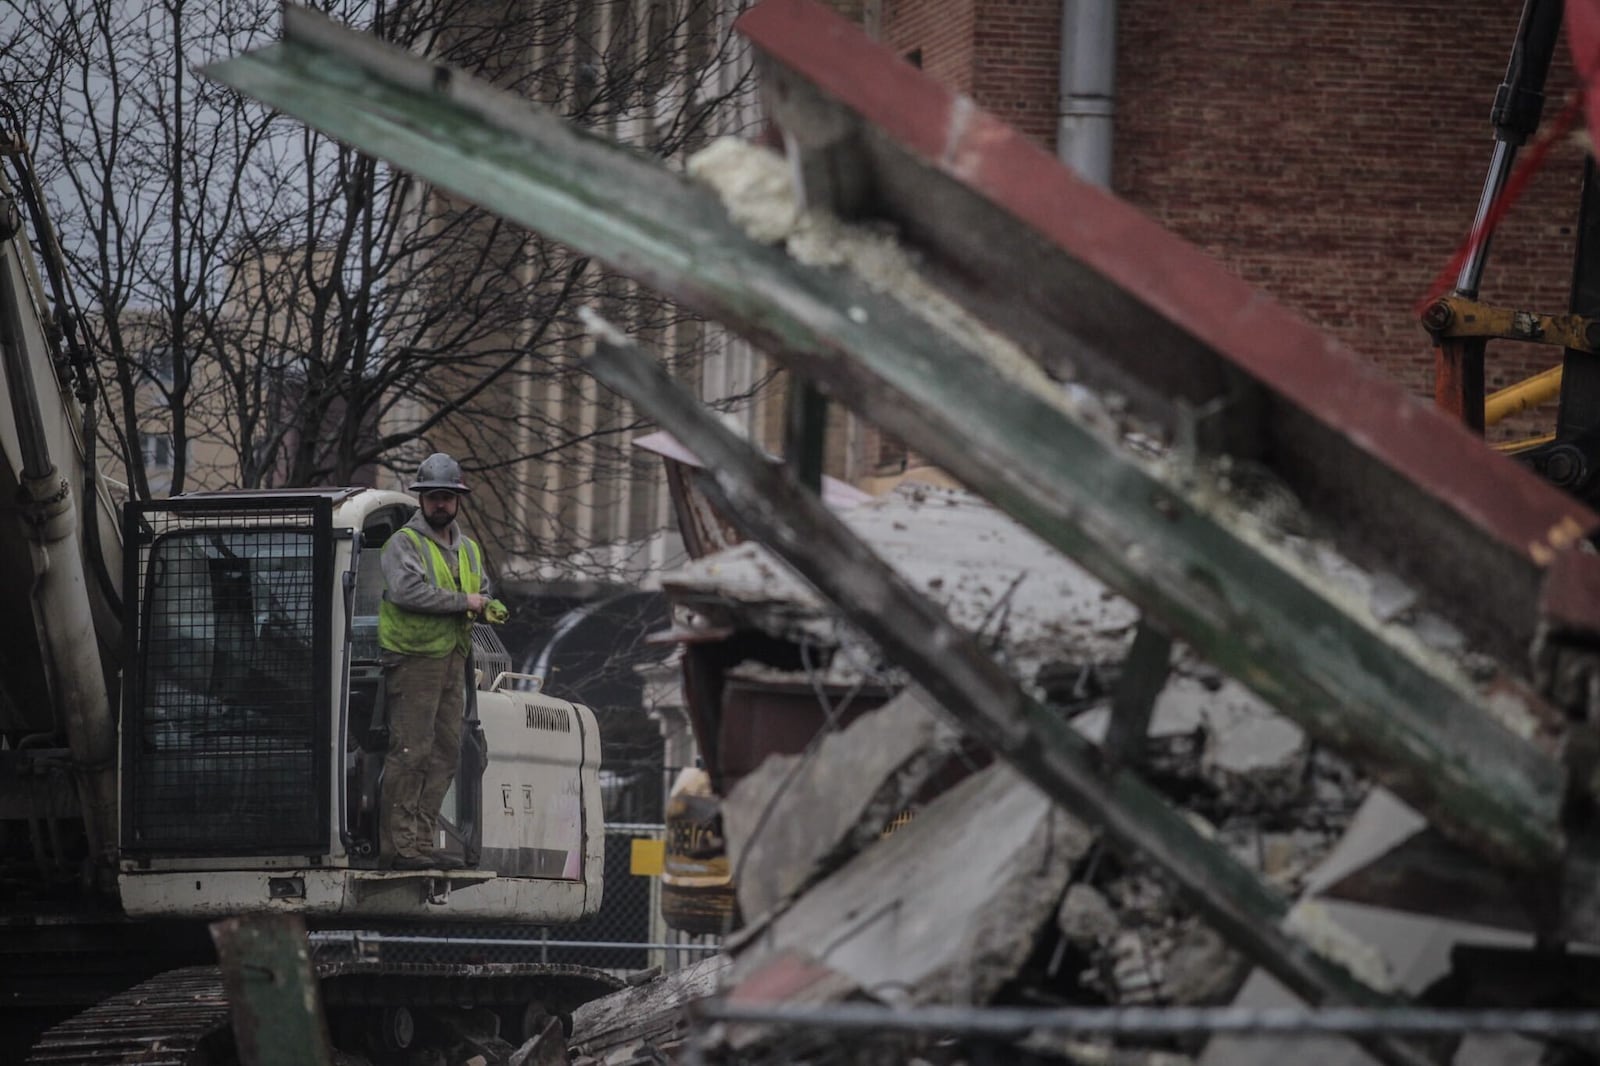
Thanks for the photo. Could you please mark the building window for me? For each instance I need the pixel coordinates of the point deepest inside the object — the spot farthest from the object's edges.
(156, 449)
(893, 455)
(155, 364)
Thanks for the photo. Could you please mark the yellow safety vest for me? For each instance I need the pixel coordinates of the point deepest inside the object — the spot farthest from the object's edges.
(433, 636)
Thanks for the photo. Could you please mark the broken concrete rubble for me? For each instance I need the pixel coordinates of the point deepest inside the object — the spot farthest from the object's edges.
(801, 815)
(942, 910)
(1229, 741)
(1085, 917)
(1057, 629)
(790, 978)
(1146, 949)
(1030, 603)
(1213, 747)
(1415, 949)
(1124, 937)
(1134, 944)
(972, 686)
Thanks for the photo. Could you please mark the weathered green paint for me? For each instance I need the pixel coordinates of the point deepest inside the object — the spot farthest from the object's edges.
(1416, 724)
(272, 993)
(966, 681)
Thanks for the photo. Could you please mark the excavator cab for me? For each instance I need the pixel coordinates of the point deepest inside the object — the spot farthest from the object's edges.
(253, 728)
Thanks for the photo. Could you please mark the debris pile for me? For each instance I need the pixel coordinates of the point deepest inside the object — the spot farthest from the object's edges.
(846, 862)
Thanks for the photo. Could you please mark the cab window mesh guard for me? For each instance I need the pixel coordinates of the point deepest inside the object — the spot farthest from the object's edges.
(226, 723)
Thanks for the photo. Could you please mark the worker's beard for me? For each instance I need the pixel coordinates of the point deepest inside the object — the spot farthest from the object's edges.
(438, 519)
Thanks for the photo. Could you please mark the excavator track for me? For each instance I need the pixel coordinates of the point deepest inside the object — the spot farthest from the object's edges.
(180, 1018)
(174, 1019)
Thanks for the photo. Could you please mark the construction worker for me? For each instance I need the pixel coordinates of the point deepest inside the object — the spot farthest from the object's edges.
(435, 585)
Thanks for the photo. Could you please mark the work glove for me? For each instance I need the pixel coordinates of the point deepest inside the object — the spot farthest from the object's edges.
(495, 612)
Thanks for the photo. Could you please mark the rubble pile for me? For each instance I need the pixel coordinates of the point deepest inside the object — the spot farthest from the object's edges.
(987, 894)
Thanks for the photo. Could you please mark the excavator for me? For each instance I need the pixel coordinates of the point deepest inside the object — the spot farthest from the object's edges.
(1462, 325)
(192, 727)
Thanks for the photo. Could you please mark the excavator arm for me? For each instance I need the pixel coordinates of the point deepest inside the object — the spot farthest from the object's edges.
(1462, 325)
(56, 702)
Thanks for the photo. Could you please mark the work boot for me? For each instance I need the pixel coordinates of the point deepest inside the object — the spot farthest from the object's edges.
(414, 862)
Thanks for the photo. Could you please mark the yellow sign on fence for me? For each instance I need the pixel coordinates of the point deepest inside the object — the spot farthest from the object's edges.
(648, 857)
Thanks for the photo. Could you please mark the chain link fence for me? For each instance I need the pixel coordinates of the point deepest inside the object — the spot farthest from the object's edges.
(626, 936)
(629, 917)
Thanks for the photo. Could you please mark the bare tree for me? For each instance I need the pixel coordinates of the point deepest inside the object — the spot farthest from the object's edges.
(265, 307)
(285, 311)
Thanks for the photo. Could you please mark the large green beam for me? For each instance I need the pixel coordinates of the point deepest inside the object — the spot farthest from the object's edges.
(1147, 529)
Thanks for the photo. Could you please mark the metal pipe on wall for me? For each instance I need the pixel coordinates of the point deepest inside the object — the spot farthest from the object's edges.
(1087, 87)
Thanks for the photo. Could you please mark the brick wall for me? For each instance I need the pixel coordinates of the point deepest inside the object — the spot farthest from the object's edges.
(1330, 151)
(1017, 63)
(942, 32)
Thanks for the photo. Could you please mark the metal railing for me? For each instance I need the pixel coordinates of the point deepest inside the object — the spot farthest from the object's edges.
(627, 935)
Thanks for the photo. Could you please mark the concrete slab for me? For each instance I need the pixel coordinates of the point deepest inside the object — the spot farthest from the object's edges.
(799, 815)
(947, 908)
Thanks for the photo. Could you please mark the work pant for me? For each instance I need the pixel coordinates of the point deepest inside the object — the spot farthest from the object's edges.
(426, 700)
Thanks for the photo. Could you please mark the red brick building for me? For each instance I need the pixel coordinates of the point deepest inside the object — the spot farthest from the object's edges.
(1330, 151)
